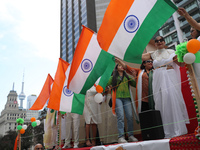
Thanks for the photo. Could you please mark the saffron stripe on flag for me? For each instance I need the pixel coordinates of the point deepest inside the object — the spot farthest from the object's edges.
(61, 98)
(44, 94)
(135, 30)
(92, 65)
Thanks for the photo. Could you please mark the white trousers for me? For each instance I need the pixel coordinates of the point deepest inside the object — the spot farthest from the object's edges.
(75, 120)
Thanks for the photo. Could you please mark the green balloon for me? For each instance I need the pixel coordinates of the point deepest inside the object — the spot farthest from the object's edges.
(197, 60)
(34, 124)
(19, 127)
(62, 112)
(20, 120)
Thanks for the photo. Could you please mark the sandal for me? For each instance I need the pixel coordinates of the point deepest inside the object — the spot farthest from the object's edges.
(88, 143)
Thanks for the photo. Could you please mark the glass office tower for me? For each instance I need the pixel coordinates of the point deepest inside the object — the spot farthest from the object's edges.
(74, 14)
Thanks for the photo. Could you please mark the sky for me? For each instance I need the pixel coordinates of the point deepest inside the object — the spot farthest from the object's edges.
(29, 45)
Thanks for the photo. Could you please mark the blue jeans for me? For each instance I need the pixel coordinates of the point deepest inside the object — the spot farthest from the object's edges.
(124, 105)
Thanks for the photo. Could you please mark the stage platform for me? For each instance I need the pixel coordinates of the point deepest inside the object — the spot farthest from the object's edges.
(184, 142)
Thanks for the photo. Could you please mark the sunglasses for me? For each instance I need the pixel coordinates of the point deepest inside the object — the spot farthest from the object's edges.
(191, 31)
(148, 61)
(39, 148)
(161, 40)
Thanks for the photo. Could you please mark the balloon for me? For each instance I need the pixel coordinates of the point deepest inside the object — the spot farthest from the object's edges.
(98, 98)
(33, 119)
(24, 127)
(19, 127)
(34, 124)
(38, 122)
(197, 60)
(189, 58)
(20, 120)
(99, 89)
(193, 46)
(22, 131)
(62, 112)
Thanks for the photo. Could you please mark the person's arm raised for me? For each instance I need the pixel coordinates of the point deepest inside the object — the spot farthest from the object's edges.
(190, 20)
(146, 56)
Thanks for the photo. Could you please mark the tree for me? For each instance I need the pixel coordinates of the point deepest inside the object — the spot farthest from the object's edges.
(7, 142)
(26, 138)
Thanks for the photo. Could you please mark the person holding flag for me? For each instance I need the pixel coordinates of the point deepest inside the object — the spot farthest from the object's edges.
(195, 34)
(142, 76)
(121, 101)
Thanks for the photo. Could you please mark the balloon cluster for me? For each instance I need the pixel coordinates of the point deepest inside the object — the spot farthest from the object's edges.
(21, 128)
(34, 122)
(188, 52)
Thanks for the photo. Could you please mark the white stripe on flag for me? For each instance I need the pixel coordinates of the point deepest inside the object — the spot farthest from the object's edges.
(141, 15)
(92, 53)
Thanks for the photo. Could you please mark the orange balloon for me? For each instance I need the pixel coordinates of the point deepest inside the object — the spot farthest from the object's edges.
(193, 46)
(22, 131)
(99, 89)
(33, 119)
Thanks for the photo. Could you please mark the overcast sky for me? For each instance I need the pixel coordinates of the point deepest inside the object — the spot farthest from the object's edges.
(29, 44)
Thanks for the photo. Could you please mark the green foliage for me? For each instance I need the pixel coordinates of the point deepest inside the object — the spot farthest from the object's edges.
(7, 142)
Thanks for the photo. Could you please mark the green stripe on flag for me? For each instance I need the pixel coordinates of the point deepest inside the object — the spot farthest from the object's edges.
(101, 65)
(78, 103)
(158, 15)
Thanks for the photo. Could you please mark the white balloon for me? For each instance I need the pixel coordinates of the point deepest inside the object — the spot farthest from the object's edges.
(98, 98)
(24, 127)
(38, 122)
(189, 58)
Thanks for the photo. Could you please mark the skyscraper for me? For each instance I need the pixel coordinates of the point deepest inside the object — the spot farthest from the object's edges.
(101, 6)
(30, 101)
(74, 14)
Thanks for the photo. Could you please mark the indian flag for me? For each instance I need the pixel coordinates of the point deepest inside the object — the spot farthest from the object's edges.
(128, 26)
(61, 98)
(44, 94)
(89, 63)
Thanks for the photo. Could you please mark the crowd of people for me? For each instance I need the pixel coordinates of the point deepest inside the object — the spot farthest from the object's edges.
(158, 87)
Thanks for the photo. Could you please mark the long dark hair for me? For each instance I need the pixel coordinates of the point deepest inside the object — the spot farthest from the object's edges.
(142, 65)
(115, 77)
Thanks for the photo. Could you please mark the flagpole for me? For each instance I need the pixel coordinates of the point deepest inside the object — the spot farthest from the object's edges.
(194, 87)
(19, 140)
(59, 118)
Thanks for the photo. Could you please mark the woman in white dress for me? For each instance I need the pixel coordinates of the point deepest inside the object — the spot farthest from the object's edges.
(92, 115)
(167, 89)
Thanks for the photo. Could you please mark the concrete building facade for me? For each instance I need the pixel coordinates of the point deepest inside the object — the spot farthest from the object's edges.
(10, 114)
(176, 29)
